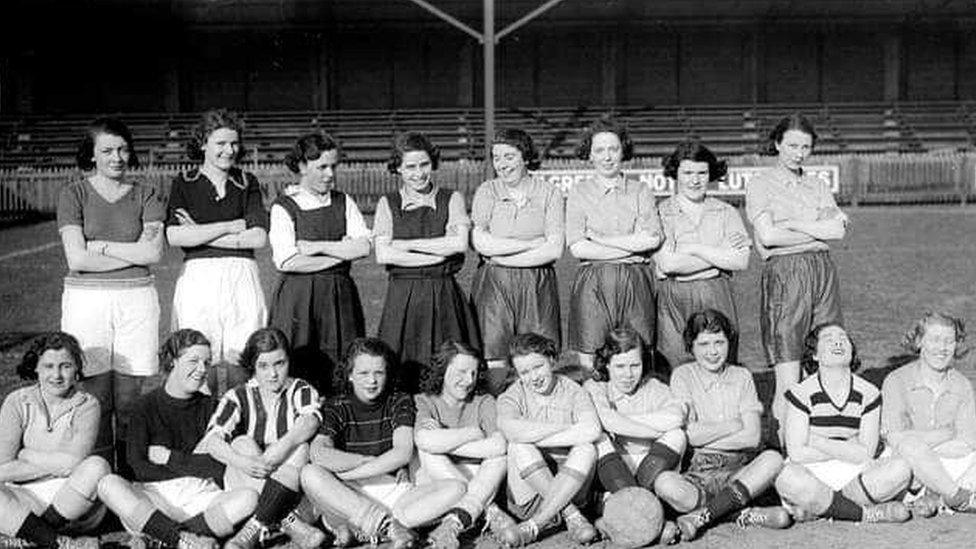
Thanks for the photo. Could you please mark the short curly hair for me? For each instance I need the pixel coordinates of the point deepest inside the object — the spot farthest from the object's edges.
(371, 346)
(620, 340)
(809, 363)
(264, 340)
(696, 152)
(913, 337)
(109, 126)
(210, 122)
(521, 140)
(176, 343)
(50, 341)
(310, 147)
(409, 142)
(707, 321)
(605, 124)
(432, 376)
(529, 343)
(795, 121)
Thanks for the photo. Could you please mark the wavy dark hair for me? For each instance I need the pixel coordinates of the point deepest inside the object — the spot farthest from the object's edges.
(264, 340)
(696, 152)
(210, 122)
(371, 346)
(432, 376)
(913, 337)
(310, 147)
(795, 121)
(109, 126)
(605, 124)
(809, 363)
(176, 343)
(521, 140)
(409, 142)
(710, 321)
(620, 340)
(529, 343)
(50, 341)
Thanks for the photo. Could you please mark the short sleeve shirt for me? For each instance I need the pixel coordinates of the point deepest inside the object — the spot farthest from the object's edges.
(25, 422)
(912, 404)
(434, 413)
(564, 405)
(788, 196)
(712, 397)
(622, 209)
(533, 209)
(79, 204)
(366, 428)
(838, 421)
(718, 223)
(649, 397)
(243, 411)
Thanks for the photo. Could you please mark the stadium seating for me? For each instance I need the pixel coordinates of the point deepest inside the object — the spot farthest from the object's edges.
(48, 141)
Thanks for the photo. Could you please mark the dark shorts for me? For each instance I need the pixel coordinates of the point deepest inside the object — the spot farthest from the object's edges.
(510, 301)
(712, 471)
(606, 296)
(798, 292)
(676, 301)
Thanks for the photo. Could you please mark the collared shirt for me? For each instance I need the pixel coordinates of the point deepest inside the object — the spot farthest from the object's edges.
(624, 208)
(564, 405)
(715, 397)
(714, 225)
(838, 421)
(785, 195)
(533, 209)
(244, 411)
(27, 423)
(383, 220)
(649, 397)
(911, 404)
(282, 237)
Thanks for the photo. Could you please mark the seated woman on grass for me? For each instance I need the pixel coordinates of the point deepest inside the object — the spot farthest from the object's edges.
(48, 478)
(726, 469)
(175, 497)
(261, 431)
(358, 478)
(835, 466)
(929, 415)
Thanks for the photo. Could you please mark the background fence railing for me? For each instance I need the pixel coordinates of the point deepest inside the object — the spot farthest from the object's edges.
(864, 179)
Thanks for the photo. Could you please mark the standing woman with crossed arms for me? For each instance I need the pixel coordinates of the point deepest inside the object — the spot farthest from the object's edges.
(216, 216)
(794, 216)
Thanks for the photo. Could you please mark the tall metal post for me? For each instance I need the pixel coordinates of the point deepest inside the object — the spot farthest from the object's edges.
(488, 36)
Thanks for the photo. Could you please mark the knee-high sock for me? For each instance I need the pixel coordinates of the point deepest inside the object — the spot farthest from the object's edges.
(843, 508)
(733, 497)
(37, 530)
(659, 458)
(275, 501)
(613, 473)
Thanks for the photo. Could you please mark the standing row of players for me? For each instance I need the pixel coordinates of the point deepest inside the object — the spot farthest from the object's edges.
(374, 463)
(642, 264)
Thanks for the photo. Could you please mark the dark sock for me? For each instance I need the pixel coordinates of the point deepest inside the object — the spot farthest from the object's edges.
(53, 517)
(276, 501)
(198, 525)
(613, 473)
(463, 516)
(36, 530)
(659, 458)
(959, 499)
(733, 497)
(842, 508)
(163, 529)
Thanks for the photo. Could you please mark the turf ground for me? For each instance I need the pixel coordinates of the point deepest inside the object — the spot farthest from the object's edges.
(896, 263)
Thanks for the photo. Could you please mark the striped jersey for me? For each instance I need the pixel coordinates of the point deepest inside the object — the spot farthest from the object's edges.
(243, 411)
(834, 420)
(366, 428)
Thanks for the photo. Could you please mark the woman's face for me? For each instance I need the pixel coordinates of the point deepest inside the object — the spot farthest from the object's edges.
(415, 170)
(508, 163)
(460, 377)
(318, 176)
(625, 370)
(834, 348)
(190, 368)
(368, 377)
(711, 350)
(606, 154)
(57, 372)
(692, 180)
(794, 148)
(937, 347)
(271, 370)
(221, 149)
(535, 372)
(111, 155)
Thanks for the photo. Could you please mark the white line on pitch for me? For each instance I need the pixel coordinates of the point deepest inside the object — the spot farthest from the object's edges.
(28, 251)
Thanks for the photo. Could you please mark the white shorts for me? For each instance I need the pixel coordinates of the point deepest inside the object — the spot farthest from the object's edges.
(40, 494)
(118, 328)
(382, 489)
(956, 467)
(836, 473)
(221, 297)
(467, 470)
(181, 498)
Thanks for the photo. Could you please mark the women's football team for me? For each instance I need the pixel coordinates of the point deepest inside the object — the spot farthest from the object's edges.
(455, 415)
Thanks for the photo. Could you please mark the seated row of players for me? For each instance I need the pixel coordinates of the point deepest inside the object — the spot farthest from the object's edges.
(202, 468)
